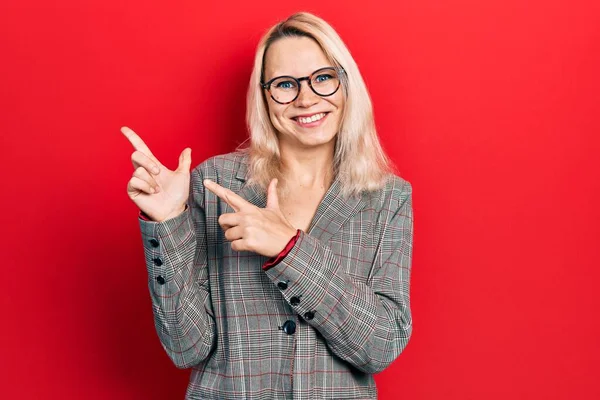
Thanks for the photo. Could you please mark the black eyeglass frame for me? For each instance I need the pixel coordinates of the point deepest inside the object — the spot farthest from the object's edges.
(339, 70)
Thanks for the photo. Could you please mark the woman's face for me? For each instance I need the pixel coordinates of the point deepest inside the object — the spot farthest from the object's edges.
(300, 57)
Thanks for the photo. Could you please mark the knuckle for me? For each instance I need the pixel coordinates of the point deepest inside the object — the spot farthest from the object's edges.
(134, 183)
(250, 221)
(139, 171)
(142, 184)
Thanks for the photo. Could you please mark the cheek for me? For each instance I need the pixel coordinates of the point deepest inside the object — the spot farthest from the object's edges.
(340, 100)
(277, 116)
(276, 122)
(276, 119)
(339, 115)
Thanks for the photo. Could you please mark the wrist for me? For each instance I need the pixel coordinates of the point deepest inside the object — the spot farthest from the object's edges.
(285, 241)
(276, 259)
(173, 214)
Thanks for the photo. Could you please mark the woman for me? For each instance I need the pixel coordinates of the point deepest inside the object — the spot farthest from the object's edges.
(285, 274)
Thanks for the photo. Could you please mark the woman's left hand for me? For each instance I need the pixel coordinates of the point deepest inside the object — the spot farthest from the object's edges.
(265, 231)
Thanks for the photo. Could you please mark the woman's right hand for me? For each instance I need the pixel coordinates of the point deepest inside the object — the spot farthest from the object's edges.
(158, 192)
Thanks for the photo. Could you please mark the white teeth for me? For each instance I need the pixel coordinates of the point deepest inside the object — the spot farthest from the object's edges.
(314, 118)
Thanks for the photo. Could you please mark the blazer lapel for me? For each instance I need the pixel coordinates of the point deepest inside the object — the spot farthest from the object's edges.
(333, 212)
(254, 195)
(251, 193)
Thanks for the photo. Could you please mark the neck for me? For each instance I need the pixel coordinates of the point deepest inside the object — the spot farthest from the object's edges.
(309, 168)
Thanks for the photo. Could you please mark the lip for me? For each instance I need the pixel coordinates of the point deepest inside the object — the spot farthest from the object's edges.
(310, 124)
(311, 114)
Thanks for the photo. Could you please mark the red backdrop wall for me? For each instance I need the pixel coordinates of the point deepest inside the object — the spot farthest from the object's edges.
(490, 109)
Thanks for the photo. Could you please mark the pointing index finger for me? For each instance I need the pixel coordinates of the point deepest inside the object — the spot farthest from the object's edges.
(136, 141)
(236, 202)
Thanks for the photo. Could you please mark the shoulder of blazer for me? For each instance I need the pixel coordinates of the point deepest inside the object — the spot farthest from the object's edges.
(398, 188)
(392, 195)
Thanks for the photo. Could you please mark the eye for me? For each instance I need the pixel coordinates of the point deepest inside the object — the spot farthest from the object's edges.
(285, 84)
(323, 77)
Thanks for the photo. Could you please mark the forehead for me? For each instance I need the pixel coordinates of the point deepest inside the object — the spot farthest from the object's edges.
(295, 56)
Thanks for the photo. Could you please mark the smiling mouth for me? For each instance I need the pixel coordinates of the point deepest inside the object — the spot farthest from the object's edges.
(313, 120)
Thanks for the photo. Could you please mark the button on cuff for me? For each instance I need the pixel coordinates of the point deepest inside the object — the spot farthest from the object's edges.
(309, 315)
(295, 300)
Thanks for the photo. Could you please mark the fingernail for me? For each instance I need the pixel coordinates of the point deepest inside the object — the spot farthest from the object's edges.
(155, 170)
(156, 189)
(152, 190)
(207, 182)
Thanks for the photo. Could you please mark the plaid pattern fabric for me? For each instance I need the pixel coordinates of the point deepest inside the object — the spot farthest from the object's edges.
(317, 325)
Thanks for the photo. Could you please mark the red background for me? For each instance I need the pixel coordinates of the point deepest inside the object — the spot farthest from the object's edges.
(490, 109)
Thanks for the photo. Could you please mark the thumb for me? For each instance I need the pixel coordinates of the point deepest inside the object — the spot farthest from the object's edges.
(272, 199)
(185, 160)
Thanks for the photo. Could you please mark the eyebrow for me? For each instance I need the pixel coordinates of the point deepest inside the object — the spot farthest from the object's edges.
(293, 76)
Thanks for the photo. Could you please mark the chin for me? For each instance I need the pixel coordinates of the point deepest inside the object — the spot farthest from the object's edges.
(315, 139)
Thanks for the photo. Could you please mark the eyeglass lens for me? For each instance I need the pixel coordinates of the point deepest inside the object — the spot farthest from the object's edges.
(324, 83)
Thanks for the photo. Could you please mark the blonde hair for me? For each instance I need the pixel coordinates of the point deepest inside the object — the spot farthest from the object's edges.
(359, 160)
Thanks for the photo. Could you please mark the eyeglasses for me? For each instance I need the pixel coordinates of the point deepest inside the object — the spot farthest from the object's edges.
(285, 89)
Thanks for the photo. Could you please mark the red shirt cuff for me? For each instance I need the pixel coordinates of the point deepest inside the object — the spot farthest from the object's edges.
(273, 261)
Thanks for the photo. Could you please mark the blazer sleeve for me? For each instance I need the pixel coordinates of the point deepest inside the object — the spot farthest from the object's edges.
(366, 324)
(176, 259)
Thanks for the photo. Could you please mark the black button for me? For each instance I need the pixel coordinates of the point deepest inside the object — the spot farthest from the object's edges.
(309, 315)
(289, 327)
(294, 301)
(160, 280)
(282, 285)
(153, 242)
(157, 261)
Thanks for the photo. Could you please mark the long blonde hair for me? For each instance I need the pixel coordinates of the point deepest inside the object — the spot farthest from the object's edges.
(359, 160)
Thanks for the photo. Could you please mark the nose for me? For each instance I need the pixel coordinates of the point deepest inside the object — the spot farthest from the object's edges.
(306, 97)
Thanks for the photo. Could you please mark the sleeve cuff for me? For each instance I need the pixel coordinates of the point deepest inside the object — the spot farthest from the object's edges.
(273, 261)
(145, 217)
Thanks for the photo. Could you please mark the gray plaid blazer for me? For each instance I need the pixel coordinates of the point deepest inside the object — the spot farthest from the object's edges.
(315, 326)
